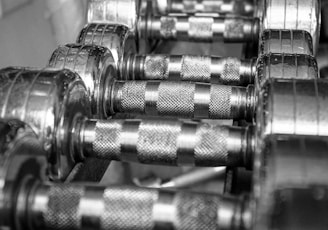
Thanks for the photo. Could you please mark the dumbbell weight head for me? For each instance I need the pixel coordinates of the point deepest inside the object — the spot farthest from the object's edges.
(50, 101)
(116, 38)
(291, 15)
(290, 162)
(285, 41)
(21, 157)
(93, 64)
(122, 12)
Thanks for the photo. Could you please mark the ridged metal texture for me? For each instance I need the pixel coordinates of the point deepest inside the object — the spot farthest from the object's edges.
(286, 41)
(48, 100)
(92, 64)
(285, 66)
(122, 12)
(294, 107)
(115, 37)
(293, 15)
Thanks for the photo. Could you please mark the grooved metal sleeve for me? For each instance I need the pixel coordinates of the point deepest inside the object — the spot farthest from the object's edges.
(229, 71)
(286, 41)
(179, 99)
(89, 207)
(166, 142)
(206, 29)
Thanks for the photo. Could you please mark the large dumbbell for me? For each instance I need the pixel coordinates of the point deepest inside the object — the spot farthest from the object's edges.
(179, 99)
(235, 7)
(208, 28)
(35, 204)
(57, 110)
(227, 70)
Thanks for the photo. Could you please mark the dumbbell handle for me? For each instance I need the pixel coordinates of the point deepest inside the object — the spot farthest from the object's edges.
(200, 28)
(228, 71)
(180, 99)
(89, 207)
(202, 6)
(166, 142)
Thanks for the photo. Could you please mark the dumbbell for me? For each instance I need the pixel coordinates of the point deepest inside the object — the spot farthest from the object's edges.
(32, 203)
(36, 204)
(228, 70)
(57, 108)
(179, 99)
(197, 28)
(235, 7)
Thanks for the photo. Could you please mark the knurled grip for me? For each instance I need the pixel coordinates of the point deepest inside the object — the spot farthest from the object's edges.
(210, 69)
(63, 207)
(69, 207)
(206, 29)
(165, 142)
(286, 41)
(206, 6)
(179, 99)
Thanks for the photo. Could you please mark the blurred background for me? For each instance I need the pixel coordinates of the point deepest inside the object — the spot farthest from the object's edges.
(30, 30)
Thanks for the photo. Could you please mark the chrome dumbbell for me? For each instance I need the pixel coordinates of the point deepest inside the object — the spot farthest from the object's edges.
(235, 7)
(60, 118)
(226, 70)
(182, 27)
(33, 203)
(208, 28)
(179, 99)
(40, 205)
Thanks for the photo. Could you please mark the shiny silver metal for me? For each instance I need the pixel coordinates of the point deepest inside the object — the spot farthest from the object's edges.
(42, 205)
(229, 70)
(211, 69)
(180, 99)
(122, 12)
(291, 169)
(193, 177)
(116, 38)
(50, 101)
(209, 28)
(293, 15)
(92, 63)
(236, 7)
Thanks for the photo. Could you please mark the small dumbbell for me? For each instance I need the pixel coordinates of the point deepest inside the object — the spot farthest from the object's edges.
(179, 99)
(56, 107)
(235, 7)
(184, 27)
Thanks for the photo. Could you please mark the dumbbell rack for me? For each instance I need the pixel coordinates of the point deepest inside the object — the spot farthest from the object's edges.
(64, 124)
